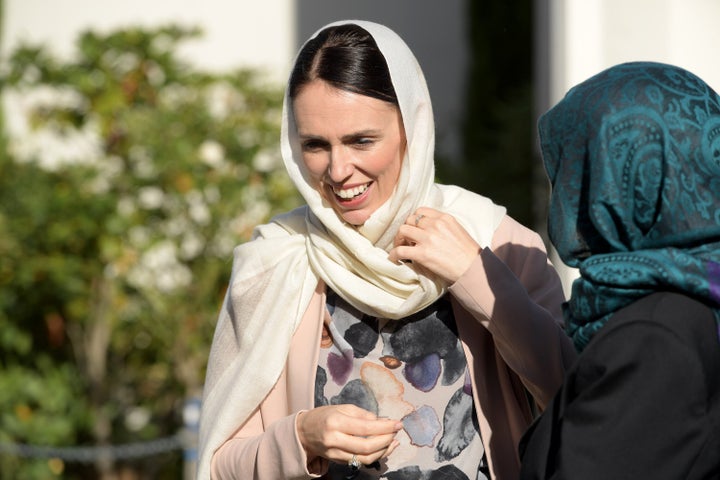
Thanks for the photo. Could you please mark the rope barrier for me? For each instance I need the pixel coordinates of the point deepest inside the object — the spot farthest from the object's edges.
(90, 454)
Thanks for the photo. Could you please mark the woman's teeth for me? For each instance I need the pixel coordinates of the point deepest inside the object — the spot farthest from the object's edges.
(350, 192)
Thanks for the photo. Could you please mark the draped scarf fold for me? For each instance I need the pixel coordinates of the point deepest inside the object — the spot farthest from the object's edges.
(274, 275)
(633, 156)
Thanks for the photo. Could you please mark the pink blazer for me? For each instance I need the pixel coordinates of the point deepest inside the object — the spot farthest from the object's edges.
(508, 311)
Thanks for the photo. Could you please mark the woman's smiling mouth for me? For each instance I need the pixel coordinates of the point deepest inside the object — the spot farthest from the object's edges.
(350, 193)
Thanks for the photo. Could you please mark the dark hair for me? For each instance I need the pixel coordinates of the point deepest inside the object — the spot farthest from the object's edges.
(346, 57)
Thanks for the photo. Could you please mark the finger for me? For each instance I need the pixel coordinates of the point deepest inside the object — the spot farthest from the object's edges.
(400, 254)
(371, 445)
(386, 452)
(366, 417)
(408, 235)
(360, 422)
(399, 239)
(416, 219)
(391, 448)
(421, 214)
(355, 411)
(367, 450)
(372, 428)
(426, 212)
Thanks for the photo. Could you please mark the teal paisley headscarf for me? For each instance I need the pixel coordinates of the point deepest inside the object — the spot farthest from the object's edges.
(633, 156)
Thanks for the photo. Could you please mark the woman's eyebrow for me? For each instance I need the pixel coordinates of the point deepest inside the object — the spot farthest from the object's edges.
(362, 133)
(308, 136)
(371, 132)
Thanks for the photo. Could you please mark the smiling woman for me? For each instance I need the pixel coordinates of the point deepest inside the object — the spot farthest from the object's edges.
(392, 327)
(352, 146)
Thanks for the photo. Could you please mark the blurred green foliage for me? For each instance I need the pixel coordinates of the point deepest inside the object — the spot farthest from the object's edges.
(119, 209)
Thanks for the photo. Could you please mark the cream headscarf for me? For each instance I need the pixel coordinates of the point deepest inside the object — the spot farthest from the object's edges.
(275, 275)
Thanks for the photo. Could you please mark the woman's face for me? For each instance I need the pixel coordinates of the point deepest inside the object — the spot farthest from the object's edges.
(352, 145)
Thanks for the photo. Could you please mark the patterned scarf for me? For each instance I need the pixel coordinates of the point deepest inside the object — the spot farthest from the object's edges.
(633, 156)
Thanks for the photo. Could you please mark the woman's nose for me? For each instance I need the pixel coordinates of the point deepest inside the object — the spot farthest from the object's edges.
(340, 166)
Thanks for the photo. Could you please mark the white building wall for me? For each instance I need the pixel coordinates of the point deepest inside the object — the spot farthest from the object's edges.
(237, 33)
(591, 35)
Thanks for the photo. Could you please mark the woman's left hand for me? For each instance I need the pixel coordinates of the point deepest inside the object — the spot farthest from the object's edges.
(437, 242)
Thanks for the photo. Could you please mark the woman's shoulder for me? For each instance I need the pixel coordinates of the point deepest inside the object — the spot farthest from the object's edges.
(471, 209)
(283, 224)
(676, 312)
(478, 214)
(512, 232)
(668, 317)
(274, 240)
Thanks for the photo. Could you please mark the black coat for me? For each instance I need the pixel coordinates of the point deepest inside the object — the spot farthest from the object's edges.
(641, 402)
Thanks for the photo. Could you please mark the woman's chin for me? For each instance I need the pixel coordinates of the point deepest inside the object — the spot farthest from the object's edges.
(355, 217)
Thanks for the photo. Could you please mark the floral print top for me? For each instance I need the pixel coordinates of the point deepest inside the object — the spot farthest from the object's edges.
(414, 370)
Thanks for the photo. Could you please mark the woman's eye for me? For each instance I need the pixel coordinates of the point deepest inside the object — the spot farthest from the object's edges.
(312, 145)
(364, 142)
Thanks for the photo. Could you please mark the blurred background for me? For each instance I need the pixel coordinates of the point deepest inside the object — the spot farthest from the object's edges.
(139, 144)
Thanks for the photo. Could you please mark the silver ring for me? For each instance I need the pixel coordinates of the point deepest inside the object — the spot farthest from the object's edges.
(418, 218)
(354, 463)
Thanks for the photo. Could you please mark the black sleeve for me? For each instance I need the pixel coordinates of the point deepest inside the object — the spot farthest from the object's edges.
(633, 407)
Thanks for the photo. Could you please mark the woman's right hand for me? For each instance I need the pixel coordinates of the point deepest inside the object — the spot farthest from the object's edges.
(337, 432)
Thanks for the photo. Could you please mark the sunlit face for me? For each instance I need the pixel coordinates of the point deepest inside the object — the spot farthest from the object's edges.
(352, 145)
